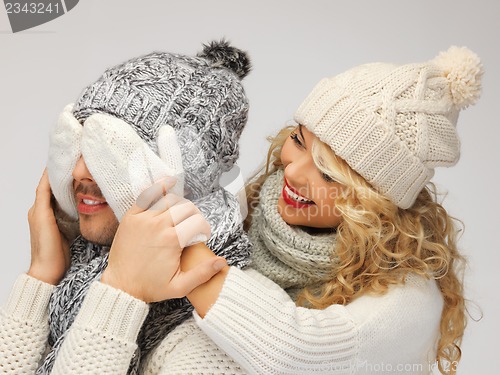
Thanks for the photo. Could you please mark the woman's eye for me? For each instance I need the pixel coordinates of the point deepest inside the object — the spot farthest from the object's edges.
(327, 178)
(296, 139)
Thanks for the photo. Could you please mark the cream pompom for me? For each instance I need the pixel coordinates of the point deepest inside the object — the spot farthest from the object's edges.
(464, 71)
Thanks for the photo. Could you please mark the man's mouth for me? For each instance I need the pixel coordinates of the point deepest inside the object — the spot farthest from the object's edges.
(89, 205)
(91, 202)
(293, 198)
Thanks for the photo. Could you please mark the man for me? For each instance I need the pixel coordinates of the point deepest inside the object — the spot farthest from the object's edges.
(111, 161)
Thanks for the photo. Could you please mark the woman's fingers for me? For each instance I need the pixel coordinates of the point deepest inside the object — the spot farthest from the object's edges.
(184, 282)
(152, 236)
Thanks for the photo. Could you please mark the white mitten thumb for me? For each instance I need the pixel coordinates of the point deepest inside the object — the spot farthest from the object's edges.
(64, 153)
(170, 153)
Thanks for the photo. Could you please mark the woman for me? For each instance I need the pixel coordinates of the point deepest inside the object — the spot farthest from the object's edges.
(356, 267)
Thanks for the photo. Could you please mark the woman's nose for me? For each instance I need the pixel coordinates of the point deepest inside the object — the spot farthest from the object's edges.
(296, 171)
(81, 172)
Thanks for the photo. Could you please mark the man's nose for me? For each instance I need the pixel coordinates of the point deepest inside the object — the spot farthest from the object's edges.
(81, 172)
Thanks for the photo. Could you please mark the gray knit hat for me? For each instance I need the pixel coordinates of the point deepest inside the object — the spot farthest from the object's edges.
(200, 97)
(150, 106)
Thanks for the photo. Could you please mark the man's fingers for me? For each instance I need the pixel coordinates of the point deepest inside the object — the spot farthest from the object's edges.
(43, 192)
(192, 230)
(185, 282)
(181, 210)
(152, 194)
(167, 203)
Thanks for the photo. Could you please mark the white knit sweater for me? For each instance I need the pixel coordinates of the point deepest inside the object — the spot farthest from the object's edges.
(253, 320)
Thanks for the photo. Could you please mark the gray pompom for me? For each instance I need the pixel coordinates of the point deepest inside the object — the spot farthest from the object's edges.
(220, 53)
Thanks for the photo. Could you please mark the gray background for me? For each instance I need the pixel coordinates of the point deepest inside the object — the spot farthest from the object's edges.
(293, 44)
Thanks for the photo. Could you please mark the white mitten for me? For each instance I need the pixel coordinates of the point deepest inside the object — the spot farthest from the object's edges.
(122, 164)
(64, 153)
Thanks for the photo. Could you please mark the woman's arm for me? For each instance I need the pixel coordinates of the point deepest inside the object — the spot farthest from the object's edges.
(258, 325)
(24, 326)
(205, 295)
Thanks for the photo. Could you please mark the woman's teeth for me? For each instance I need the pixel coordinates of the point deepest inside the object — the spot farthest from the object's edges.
(296, 197)
(91, 203)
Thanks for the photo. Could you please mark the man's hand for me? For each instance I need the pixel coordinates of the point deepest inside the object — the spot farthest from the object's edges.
(50, 257)
(144, 259)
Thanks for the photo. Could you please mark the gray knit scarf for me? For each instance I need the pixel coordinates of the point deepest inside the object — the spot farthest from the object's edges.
(89, 260)
(286, 254)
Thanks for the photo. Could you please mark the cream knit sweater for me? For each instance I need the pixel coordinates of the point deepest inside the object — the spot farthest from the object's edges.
(253, 320)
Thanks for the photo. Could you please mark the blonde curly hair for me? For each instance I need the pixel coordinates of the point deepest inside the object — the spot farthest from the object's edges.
(378, 244)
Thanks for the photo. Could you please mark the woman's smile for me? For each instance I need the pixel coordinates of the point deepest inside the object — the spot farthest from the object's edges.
(293, 198)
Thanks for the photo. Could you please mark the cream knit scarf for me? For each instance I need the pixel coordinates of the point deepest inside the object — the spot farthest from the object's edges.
(284, 253)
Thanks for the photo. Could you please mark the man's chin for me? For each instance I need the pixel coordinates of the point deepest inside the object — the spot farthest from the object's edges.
(97, 240)
(103, 238)
(99, 232)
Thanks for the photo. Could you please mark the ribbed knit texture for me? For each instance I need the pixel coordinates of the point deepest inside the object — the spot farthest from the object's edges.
(257, 324)
(253, 328)
(395, 124)
(272, 335)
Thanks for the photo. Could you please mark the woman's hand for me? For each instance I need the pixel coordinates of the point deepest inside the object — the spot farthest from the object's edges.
(144, 259)
(204, 296)
(50, 256)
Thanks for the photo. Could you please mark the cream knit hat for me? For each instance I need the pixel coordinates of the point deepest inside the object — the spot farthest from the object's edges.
(394, 124)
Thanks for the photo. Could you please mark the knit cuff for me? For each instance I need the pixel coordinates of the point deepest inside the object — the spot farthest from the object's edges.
(237, 281)
(234, 322)
(29, 299)
(112, 311)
